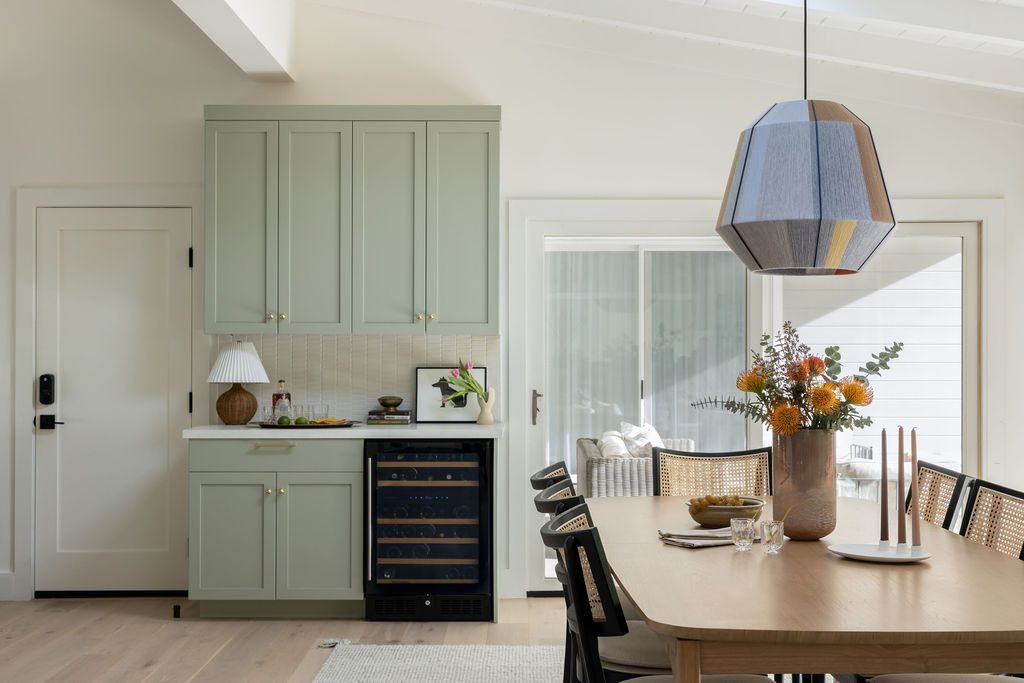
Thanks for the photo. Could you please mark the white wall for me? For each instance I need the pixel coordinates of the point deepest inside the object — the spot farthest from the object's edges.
(111, 92)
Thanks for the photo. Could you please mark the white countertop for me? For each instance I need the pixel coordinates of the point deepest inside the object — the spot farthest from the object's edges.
(414, 431)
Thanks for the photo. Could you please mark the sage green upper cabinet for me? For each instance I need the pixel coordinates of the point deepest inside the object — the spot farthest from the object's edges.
(462, 227)
(241, 226)
(231, 535)
(315, 239)
(319, 537)
(389, 227)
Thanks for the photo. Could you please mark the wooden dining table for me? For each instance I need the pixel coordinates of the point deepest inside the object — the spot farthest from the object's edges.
(807, 610)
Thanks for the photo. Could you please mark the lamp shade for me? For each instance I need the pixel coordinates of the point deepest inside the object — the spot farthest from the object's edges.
(806, 194)
(238, 362)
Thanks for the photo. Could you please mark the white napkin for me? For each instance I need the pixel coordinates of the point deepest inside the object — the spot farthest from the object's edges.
(697, 538)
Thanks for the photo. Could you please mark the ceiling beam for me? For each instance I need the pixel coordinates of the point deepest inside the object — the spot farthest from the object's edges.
(254, 34)
(983, 21)
(751, 31)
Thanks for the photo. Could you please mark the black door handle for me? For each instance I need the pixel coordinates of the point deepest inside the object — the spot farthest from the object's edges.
(47, 422)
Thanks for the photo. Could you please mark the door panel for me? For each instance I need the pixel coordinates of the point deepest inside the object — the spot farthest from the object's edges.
(462, 219)
(319, 536)
(231, 535)
(315, 244)
(241, 227)
(389, 233)
(115, 332)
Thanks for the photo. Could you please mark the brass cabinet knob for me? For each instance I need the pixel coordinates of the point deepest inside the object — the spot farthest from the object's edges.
(269, 491)
(419, 316)
(432, 317)
(270, 316)
(283, 316)
(280, 492)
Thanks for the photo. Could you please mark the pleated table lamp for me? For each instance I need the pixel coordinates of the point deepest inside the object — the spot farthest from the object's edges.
(238, 362)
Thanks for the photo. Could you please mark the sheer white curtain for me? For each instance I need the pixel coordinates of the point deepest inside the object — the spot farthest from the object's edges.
(592, 338)
(697, 341)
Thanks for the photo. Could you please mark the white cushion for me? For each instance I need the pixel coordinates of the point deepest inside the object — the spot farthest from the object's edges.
(640, 439)
(612, 445)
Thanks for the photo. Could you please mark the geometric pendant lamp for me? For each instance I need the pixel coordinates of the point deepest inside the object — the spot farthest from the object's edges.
(806, 194)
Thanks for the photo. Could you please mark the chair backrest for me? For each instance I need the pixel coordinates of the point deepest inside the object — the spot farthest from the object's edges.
(862, 452)
(555, 472)
(941, 492)
(738, 473)
(557, 498)
(593, 605)
(994, 517)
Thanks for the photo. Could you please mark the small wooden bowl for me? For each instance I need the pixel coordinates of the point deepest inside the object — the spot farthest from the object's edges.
(718, 516)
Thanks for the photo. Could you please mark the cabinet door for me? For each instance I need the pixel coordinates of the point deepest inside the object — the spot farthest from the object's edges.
(462, 227)
(388, 225)
(319, 536)
(231, 535)
(315, 243)
(241, 227)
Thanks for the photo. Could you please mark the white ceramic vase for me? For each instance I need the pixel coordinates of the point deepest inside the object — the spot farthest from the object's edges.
(486, 403)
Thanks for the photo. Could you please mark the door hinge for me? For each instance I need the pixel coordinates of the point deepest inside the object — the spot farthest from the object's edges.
(190, 257)
(190, 402)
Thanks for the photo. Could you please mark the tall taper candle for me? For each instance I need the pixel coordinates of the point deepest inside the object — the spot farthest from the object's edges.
(901, 518)
(915, 505)
(884, 491)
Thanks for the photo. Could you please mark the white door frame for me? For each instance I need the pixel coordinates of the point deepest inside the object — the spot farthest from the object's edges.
(529, 221)
(20, 584)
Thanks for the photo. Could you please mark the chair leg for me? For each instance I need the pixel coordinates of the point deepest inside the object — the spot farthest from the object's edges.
(569, 666)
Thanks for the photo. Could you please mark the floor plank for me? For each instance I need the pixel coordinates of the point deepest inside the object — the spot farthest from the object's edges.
(135, 640)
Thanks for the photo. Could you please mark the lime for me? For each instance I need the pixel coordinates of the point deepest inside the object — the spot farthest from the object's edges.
(284, 420)
(302, 420)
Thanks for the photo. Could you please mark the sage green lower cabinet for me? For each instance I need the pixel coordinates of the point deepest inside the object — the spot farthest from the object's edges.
(232, 522)
(319, 536)
(275, 520)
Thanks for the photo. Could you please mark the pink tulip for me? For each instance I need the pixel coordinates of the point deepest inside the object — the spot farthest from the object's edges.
(469, 365)
(455, 372)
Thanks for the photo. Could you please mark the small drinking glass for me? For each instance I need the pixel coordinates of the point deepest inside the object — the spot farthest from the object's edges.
(742, 533)
(771, 537)
(320, 411)
(266, 414)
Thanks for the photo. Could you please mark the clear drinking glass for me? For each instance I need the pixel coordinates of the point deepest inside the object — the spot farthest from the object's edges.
(771, 537)
(742, 533)
(320, 411)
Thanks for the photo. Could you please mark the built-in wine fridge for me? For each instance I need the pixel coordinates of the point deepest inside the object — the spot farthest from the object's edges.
(428, 547)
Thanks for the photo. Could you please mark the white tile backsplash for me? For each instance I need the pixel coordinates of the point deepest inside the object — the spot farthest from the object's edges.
(349, 372)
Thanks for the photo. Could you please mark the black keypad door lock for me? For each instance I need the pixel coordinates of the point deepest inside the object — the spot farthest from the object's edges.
(48, 422)
(47, 389)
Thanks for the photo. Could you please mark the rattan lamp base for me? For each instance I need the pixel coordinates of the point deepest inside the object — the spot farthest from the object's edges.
(236, 406)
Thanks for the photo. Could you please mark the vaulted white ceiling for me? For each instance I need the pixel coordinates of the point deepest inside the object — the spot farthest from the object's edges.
(974, 42)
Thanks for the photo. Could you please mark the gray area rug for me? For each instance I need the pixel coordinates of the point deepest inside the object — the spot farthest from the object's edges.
(442, 664)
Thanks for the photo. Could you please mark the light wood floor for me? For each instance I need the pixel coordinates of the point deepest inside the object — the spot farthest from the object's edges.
(132, 640)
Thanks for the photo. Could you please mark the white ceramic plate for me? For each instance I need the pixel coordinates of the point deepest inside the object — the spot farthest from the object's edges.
(874, 552)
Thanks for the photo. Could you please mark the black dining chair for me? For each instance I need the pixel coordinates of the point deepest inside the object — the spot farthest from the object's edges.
(593, 608)
(994, 517)
(734, 473)
(941, 493)
(555, 472)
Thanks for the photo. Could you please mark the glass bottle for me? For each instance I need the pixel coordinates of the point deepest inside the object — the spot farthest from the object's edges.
(281, 395)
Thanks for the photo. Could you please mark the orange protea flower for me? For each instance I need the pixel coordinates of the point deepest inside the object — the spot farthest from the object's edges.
(786, 420)
(823, 399)
(815, 366)
(751, 381)
(798, 372)
(856, 391)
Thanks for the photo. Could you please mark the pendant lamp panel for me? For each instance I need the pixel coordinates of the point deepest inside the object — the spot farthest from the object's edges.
(806, 194)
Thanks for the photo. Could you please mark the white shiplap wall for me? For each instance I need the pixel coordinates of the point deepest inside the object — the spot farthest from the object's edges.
(349, 372)
(911, 292)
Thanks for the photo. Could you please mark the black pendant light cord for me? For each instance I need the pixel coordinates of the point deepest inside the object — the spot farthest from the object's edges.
(805, 49)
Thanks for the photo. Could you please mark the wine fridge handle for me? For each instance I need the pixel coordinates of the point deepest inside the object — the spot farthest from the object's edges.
(369, 518)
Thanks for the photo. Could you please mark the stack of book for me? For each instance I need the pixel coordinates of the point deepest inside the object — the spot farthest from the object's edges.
(381, 416)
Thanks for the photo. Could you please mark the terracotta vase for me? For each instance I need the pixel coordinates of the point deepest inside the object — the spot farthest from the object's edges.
(486, 416)
(804, 483)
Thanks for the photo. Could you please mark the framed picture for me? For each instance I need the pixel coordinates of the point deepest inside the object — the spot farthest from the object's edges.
(431, 389)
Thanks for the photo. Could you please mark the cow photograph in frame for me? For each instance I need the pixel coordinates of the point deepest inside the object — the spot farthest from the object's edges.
(431, 389)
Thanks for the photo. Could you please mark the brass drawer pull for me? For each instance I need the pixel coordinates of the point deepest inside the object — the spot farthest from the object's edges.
(283, 444)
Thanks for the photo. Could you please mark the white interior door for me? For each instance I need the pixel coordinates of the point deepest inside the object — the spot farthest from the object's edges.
(113, 325)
